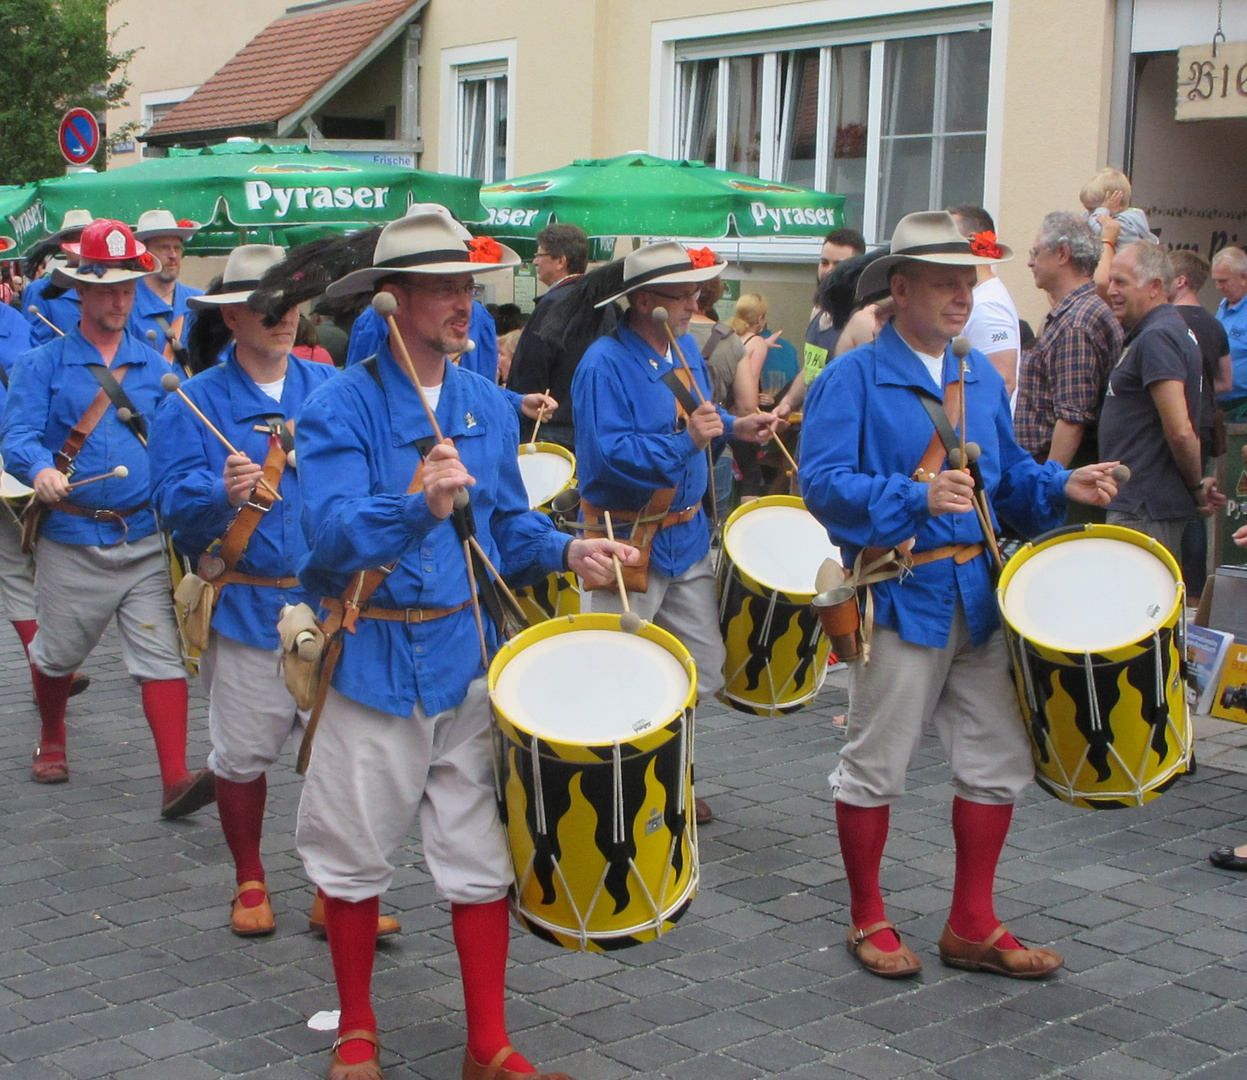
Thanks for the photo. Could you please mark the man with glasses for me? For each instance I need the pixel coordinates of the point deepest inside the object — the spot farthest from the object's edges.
(642, 429)
(543, 365)
(1062, 381)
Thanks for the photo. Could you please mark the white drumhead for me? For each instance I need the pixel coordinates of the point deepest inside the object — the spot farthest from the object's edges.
(591, 687)
(12, 488)
(544, 475)
(1089, 594)
(780, 547)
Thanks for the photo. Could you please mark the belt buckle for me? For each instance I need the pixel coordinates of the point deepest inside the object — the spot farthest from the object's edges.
(103, 515)
(413, 615)
(257, 506)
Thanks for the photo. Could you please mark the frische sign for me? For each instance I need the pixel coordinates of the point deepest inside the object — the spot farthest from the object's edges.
(1212, 87)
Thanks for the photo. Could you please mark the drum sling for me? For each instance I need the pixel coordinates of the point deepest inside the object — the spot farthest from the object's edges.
(197, 594)
(37, 510)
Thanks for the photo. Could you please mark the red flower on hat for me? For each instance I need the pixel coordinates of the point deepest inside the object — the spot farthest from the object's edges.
(984, 244)
(185, 223)
(484, 249)
(146, 262)
(702, 257)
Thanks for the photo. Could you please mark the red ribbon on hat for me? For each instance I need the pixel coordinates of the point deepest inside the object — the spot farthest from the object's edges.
(702, 257)
(484, 249)
(984, 244)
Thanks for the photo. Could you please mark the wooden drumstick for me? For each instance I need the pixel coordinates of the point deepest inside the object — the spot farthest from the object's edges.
(629, 621)
(384, 304)
(964, 459)
(961, 349)
(32, 310)
(664, 317)
(174, 385)
(791, 460)
(541, 415)
(120, 473)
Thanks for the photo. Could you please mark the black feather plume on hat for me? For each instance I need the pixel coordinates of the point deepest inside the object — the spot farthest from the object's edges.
(40, 254)
(571, 316)
(208, 335)
(837, 292)
(308, 270)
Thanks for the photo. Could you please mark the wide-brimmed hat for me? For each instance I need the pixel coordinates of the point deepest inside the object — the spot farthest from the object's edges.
(154, 223)
(72, 224)
(666, 263)
(243, 270)
(929, 236)
(7, 243)
(425, 244)
(438, 208)
(108, 253)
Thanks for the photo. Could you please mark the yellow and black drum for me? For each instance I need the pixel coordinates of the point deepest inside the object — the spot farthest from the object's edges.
(1095, 620)
(776, 650)
(549, 474)
(596, 788)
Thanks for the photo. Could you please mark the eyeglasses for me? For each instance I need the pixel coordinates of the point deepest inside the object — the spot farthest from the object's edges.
(542, 255)
(444, 290)
(684, 299)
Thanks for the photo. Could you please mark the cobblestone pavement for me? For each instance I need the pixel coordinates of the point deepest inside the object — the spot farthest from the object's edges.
(115, 960)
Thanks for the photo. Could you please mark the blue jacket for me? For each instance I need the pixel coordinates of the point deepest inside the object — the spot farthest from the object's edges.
(627, 445)
(357, 456)
(14, 337)
(188, 488)
(148, 307)
(866, 430)
(63, 312)
(50, 391)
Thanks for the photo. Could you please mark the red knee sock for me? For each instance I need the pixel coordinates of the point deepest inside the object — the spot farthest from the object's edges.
(351, 927)
(863, 832)
(979, 832)
(164, 705)
(241, 807)
(482, 937)
(26, 630)
(51, 693)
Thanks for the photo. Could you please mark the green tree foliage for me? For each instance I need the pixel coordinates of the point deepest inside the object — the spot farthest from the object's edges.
(54, 55)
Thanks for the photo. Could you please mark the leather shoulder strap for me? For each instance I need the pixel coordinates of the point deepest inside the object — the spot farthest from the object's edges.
(81, 431)
(251, 513)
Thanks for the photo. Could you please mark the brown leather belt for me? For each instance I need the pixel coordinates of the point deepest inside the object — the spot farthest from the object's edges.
(403, 615)
(675, 517)
(959, 553)
(98, 514)
(235, 577)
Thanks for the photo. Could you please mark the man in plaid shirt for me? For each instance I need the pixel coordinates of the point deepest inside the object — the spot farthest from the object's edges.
(1063, 378)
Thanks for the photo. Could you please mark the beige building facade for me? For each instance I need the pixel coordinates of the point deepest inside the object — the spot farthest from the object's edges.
(897, 104)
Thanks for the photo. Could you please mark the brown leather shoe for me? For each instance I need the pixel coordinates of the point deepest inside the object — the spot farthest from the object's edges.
(702, 811)
(316, 920)
(364, 1070)
(984, 956)
(900, 964)
(474, 1070)
(193, 792)
(252, 921)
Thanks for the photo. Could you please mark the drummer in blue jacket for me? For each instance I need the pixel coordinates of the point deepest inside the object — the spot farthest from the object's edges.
(871, 473)
(405, 729)
(99, 555)
(48, 314)
(211, 501)
(163, 313)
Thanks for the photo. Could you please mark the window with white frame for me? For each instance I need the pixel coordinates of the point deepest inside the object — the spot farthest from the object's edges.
(895, 121)
(482, 128)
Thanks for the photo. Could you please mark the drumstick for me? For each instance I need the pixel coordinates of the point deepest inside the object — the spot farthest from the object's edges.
(120, 472)
(629, 621)
(384, 304)
(541, 415)
(791, 460)
(502, 585)
(174, 385)
(661, 314)
(32, 310)
(959, 459)
(961, 349)
(125, 416)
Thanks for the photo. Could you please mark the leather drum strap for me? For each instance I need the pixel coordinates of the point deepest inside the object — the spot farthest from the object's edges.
(242, 528)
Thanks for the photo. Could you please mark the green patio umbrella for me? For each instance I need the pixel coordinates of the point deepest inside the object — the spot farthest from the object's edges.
(258, 193)
(21, 214)
(642, 195)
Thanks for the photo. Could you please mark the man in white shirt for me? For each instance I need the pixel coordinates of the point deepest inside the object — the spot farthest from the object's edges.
(993, 324)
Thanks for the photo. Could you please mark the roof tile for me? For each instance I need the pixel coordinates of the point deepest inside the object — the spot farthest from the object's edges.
(282, 67)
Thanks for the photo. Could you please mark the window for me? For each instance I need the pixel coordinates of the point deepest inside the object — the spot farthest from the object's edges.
(478, 96)
(894, 119)
(483, 122)
(157, 104)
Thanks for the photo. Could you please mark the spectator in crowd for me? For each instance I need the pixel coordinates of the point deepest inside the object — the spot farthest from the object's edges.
(1229, 274)
(1107, 194)
(723, 351)
(993, 324)
(748, 322)
(307, 344)
(1062, 383)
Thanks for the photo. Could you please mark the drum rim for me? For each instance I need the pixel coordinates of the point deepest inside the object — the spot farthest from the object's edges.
(557, 451)
(1107, 532)
(732, 568)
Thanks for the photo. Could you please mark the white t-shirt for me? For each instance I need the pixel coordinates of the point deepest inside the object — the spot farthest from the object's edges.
(993, 325)
(273, 389)
(433, 394)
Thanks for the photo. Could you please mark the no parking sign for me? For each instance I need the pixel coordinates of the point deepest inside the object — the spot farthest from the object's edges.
(79, 136)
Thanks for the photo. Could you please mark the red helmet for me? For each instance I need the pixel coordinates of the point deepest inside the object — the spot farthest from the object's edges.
(106, 241)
